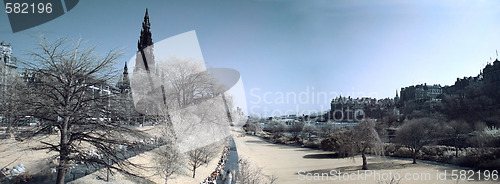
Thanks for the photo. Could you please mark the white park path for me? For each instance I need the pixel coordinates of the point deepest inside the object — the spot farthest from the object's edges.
(291, 165)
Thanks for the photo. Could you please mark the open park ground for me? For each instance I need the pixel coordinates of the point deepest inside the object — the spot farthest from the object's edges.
(290, 164)
(293, 164)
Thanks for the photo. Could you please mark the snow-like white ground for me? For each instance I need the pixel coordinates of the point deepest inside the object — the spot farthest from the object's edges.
(291, 165)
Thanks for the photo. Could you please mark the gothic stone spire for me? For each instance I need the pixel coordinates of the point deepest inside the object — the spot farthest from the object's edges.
(144, 57)
(124, 83)
(145, 39)
(125, 69)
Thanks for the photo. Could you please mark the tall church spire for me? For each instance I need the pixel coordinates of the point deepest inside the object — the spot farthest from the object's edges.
(124, 83)
(125, 69)
(145, 56)
(145, 39)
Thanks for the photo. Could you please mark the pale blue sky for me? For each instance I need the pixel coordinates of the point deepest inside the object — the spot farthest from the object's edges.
(355, 48)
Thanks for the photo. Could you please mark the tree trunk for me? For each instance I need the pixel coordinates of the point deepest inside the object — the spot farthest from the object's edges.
(194, 171)
(110, 162)
(415, 157)
(10, 128)
(166, 180)
(61, 172)
(364, 161)
(63, 153)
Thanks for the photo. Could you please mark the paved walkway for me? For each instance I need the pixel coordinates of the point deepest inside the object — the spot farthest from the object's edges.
(232, 162)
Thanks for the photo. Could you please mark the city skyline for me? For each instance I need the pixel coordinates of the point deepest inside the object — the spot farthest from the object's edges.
(345, 48)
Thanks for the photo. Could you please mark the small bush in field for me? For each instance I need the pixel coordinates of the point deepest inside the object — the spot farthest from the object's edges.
(403, 152)
(313, 144)
(390, 149)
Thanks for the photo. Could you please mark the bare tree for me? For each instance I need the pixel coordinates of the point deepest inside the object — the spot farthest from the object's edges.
(211, 152)
(358, 140)
(308, 130)
(188, 82)
(248, 174)
(276, 128)
(456, 130)
(169, 161)
(72, 96)
(124, 108)
(366, 137)
(253, 127)
(483, 140)
(416, 133)
(279, 129)
(392, 180)
(295, 129)
(340, 141)
(14, 94)
(328, 129)
(198, 157)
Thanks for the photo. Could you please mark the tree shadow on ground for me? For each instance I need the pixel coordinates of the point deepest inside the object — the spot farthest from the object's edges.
(371, 166)
(138, 179)
(322, 156)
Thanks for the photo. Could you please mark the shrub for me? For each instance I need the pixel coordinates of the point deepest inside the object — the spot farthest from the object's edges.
(280, 140)
(437, 153)
(315, 144)
(403, 152)
(390, 149)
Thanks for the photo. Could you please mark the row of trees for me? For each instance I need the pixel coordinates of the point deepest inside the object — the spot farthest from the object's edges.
(298, 130)
(419, 132)
(170, 161)
(413, 134)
